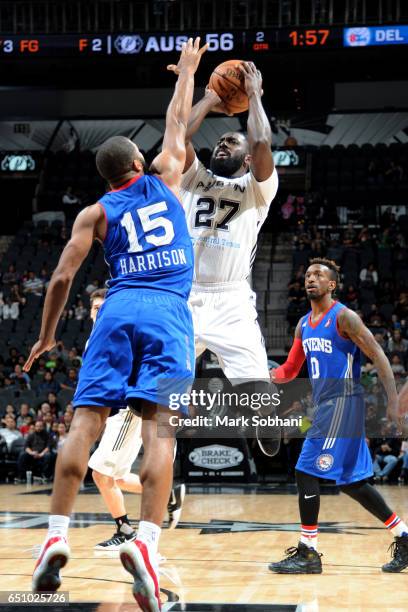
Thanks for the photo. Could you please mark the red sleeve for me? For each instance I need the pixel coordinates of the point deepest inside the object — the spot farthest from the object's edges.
(291, 368)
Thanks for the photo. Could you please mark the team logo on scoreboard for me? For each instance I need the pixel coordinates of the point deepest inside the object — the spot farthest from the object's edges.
(324, 462)
(17, 163)
(357, 37)
(128, 44)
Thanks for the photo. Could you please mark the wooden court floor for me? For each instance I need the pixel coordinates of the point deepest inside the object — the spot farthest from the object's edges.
(219, 555)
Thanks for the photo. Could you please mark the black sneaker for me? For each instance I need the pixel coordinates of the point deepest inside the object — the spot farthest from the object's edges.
(175, 505)
(269, 438)
(399, 553)
(300, 560)
(115, 541)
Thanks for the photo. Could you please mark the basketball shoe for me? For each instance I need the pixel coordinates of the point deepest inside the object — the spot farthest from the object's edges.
(399, 552)
(113, 543)
(53, 556)
(299, 560)
(175, 505)
(135, 559)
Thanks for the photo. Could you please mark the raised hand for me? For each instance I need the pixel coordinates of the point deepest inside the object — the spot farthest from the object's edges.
(253, 78)
(38, 349)
(190, 56)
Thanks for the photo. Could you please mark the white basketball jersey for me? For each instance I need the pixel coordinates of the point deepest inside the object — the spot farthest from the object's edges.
(224, 217)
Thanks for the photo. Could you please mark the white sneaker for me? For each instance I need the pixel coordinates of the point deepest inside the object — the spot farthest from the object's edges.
(135, 559)
(54, 556)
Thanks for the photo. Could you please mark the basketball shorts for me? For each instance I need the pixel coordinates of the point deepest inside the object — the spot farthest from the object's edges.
(335, 447)
(119, 446)
(225, 322)
(141, 347)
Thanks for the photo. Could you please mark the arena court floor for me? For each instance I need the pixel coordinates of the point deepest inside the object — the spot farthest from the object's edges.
(217, 559)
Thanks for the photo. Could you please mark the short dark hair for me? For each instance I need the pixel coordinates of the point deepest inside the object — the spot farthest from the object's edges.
(329, 263)
(98, 293)
(115, 158)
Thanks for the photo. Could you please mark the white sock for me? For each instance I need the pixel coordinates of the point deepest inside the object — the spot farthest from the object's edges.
(149, 534)
(308, 535)
(57, 525)
(396, 525)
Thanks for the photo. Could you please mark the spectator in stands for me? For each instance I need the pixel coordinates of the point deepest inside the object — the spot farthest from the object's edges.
(67, 419)
(44, 277)
(394, 172)
(48, 420)
(25, 428)
(51, 362)
(10, 431)
(397, 344)
(10, 310)
(10, 277)
(54, 404)
(369, 276)
(351, 297)
(69, 198)
(71, 380)
(24, 411)
(12, 359)
(8, 411)
(288, 208)
(80, 311)
(386, 452)
(61, 351)
(93, 286)
(16, 296)
(49, 385)
(401, 306)
(62, 435)
(375, 175)
(33, 285)
(20, 377)
(74, 358)
(36, 456)
(44, 409)
(396, 365)
(404, 470)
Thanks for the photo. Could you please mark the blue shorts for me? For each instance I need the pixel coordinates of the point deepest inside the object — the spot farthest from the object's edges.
(335, 447)
(141, 347)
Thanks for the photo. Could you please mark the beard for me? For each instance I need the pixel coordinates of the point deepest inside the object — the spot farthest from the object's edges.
(226, 166)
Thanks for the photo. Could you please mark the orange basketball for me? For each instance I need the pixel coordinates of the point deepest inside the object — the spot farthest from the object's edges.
(228, 82)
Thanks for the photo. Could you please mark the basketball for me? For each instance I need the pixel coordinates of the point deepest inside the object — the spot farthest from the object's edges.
(227, 80)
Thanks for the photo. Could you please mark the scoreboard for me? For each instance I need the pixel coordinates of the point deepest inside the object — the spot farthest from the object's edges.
(237, 41)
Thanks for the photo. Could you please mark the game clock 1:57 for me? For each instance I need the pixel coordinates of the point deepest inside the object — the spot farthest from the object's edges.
(319, 37)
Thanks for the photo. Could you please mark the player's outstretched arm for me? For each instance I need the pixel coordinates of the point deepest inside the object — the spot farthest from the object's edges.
(169, 164)
(293, 364)
(351, 326)
(86, 228)
(209, 102)
(259, 129)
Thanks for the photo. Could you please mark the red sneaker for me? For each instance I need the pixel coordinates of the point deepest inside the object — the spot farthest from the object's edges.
(135, 559)
(54, 556)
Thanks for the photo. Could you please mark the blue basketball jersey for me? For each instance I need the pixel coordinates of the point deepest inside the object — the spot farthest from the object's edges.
(147, 244)
(333, 361)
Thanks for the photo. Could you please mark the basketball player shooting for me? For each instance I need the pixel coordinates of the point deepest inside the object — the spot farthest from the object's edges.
(112, 461)
(225, 208)
(140, 337)
(330, 338)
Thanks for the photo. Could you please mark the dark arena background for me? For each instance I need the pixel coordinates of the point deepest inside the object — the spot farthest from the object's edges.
(73, 74)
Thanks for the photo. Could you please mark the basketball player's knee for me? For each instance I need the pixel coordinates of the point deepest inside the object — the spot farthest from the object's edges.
(307, 483)
(101, 480)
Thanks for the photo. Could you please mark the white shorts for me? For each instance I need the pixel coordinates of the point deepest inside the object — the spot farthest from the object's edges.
(225, 322)
(119, 446)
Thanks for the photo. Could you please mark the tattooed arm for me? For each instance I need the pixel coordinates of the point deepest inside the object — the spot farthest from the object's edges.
(351, 327)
